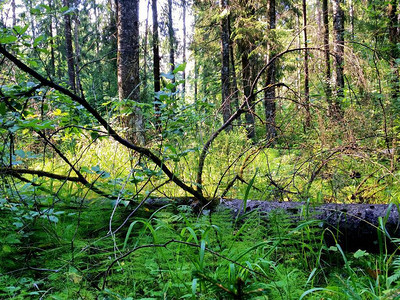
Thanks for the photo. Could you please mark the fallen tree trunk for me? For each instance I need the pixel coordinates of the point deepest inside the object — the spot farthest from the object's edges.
(353, 226)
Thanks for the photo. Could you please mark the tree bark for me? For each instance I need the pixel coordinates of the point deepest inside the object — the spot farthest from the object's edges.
(171, 37)
(270, 94)
(77, 48)
(354, 226)
(156, 63)
(14, 16)
(351, 15)
(306, 72)
(328, 78)
(393, 44)
(196, 75)
(225, 78)
(146, 37)
(52, 55)
(128, 66)
(69, 49)
(235, 90)
(247, 83)
(184, 47)
(338, 29)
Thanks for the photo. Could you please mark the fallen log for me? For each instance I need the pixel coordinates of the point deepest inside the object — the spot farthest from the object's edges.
(353, 226)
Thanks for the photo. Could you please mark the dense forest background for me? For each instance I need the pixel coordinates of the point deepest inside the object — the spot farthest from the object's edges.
(106, 105)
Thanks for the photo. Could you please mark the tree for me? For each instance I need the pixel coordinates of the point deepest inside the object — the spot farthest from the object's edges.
(269, 94)
(225, 72)
(338, 46)
(328, 89)
(69, 48)
(235, 89)
(128, 67)
(156, 61)
(306, 72)
(394, 52)
(171, 39)
(184, 4)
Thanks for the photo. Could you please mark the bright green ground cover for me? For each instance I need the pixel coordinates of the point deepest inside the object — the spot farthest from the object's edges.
(66, 254)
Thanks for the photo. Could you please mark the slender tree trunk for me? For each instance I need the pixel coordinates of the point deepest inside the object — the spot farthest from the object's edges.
(306, 73)
(146, 36)
(52, 55)
(156, 63)
(269, 94)
(32, 19)
(98, 80)
(351, 15)
(225, 80)
(247, 82)
(77, 50)
(128, 65)
(394, 52)
(328, 78)
(69, 49)
(235, 90)
(14, 16)
(184, 47)
(196, 75)
(171, 37)
(338, 29)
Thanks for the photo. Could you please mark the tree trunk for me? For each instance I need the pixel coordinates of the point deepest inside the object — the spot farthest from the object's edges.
(69, 49)
(184, 47)
(146, 37)
(171, 37)
(77, 48)
(269, 94)
(338, 29)
(156, 63)
(32, 19)
(328, 88)
(14, 16)
(351, 15)
(225, 78)
(235, 90)
(128, 66)
(247, 82)
(306, 73)
(52, 55)
(196, 75)
(355, 226)
(393, 44)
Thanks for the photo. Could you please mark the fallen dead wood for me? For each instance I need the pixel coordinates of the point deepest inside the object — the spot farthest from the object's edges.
(353, 226)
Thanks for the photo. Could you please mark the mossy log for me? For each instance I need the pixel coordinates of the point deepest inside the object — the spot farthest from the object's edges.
(353, 226)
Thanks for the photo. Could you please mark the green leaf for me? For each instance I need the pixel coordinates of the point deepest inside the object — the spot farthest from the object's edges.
(20, 30)
(8, 39)
(53, 219)
(2, 108)
(35, 11)
(38, 40)
(360, 253)
(179, 68)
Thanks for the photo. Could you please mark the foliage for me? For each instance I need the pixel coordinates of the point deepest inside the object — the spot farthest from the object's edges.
(75, 221)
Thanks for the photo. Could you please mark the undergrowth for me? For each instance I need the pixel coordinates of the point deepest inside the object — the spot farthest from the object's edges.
(79, 253)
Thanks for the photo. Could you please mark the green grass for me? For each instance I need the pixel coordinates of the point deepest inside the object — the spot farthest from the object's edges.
(215, 257)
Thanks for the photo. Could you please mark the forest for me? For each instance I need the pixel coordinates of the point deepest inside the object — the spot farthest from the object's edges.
(199, 149)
